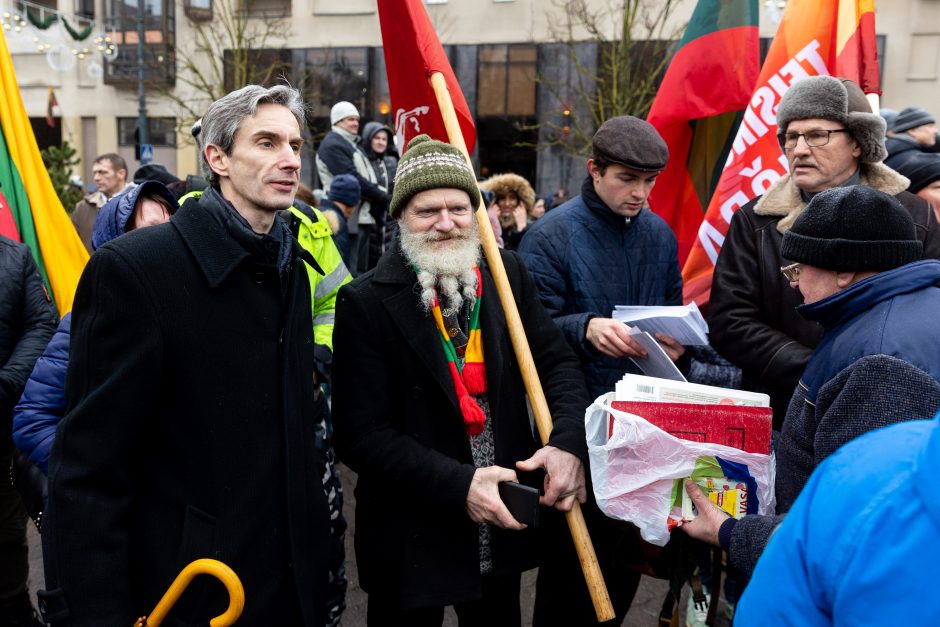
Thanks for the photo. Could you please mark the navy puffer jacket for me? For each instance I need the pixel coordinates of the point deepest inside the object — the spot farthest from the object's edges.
(586, 259)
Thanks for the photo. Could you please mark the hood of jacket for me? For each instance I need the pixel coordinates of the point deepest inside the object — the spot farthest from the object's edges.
(112, 219)
(783, 199)
(368, 132)
(503, 184)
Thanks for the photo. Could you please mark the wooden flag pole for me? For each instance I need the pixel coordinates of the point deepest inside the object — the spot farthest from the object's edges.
(543, 418)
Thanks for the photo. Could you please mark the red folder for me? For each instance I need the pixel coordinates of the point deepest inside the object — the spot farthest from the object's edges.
(741, 427)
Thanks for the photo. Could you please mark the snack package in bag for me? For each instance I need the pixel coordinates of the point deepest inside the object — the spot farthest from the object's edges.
(635, 469)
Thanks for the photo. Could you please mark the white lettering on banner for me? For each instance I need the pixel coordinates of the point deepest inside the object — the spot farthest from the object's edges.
(711, 239)
(728, 207)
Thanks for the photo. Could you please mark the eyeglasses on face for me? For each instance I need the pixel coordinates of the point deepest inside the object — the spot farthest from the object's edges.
(792, 271)
(813, 139)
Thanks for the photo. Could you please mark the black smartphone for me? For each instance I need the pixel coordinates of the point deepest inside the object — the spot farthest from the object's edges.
(521, 501)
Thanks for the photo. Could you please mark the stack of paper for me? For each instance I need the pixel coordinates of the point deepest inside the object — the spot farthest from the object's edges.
(634, 387)
(684, 323)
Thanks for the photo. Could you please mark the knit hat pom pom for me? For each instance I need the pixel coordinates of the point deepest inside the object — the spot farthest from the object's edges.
(473, 416)
(474, 377)
(417, 140)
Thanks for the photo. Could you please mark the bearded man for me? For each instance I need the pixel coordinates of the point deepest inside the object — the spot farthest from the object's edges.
(430, 411)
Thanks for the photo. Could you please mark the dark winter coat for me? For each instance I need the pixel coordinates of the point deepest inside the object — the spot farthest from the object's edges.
(586, 259)
(27, 321)
(189, 429)
(398, 425)
(877, 364)
(752, 314)
(336, 154)
(902, 147)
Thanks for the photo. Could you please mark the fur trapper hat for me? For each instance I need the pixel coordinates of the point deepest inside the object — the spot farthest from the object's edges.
(503, 184)
(839, 100)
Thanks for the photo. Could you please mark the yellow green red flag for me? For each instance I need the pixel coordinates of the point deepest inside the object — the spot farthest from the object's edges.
(38, 218)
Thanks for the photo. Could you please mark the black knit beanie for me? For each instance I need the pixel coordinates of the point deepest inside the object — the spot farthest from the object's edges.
(851, 229)
(923, 169)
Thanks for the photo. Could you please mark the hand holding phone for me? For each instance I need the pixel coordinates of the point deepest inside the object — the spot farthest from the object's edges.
(521, 501)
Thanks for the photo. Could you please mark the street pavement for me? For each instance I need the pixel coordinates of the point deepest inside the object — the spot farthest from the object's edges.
(643, 613)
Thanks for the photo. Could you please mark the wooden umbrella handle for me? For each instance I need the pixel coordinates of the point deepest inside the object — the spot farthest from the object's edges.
(530, 377)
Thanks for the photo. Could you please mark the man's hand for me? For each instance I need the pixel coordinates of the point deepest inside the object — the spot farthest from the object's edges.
(673, 348)
(705, 526)
(564, 477)
(612, 338)
(483, 502)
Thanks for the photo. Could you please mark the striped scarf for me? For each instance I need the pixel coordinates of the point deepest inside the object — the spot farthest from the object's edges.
(470, 380)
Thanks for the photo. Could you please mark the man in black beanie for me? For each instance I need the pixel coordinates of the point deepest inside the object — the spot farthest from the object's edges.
(923, 169)
(858, 265)
(913, 131)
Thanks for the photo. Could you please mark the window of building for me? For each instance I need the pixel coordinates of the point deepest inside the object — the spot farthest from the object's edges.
(259, 67)
(159, 41)
(85, 8)
(329, 75)
(506, 80)
(161, 132)
(267, 9)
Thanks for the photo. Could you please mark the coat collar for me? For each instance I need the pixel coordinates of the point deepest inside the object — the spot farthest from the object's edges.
(204, 225)
(397, 285)
(783, 198)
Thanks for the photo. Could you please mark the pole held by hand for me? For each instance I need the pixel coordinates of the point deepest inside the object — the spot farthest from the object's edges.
(533, 386)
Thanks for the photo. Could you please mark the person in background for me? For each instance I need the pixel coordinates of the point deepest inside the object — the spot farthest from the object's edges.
(337, 154)
(341, 203)
(913, 132)
(376, 144)
(514, 199)
(538, 209)
(42, 405)
(924, 172)
(889, 116)
(27, 321)
(109, 173)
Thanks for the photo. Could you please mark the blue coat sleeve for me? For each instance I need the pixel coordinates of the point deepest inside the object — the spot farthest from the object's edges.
(540, 250)
(43, 402)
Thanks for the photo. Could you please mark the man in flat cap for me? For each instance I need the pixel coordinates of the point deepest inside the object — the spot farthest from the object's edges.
(912, 132)
(605, 248)
(831, 139)
(601, 249)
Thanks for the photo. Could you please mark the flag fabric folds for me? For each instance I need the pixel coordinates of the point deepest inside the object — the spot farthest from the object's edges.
(37, 214)
(815, 37)
(410, 42)
(51, 104)
(710, 78)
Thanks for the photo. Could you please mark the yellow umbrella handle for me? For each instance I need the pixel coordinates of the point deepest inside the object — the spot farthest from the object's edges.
(236, 593)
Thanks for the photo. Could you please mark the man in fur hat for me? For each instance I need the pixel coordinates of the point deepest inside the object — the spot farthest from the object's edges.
(831, 139)
(430, 411)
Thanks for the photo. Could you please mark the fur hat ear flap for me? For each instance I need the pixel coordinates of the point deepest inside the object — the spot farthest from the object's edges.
(868, 130)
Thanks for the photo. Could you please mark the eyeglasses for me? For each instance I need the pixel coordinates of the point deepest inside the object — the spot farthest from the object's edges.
(814, 138)
(792, 271)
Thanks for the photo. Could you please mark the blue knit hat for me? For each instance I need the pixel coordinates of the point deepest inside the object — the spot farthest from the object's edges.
(345, 188)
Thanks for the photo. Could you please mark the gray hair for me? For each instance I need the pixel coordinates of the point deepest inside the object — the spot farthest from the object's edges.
(224, 117)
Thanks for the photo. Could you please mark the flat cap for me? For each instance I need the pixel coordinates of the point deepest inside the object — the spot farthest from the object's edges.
(631, 142)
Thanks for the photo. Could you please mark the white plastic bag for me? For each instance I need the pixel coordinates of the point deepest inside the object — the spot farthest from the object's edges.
(634, 470)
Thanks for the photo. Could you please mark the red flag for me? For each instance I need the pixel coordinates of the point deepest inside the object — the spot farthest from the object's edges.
(831, 37)
(50, 120)
(410, 42)
(7, 221)
(712, 73)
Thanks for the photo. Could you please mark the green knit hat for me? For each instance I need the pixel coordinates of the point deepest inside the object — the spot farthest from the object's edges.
(430, 164)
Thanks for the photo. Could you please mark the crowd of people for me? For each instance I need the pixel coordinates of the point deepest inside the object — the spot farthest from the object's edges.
(236, 334)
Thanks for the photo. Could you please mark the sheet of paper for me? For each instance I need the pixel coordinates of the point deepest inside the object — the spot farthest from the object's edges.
(657, 362)
(684, 323)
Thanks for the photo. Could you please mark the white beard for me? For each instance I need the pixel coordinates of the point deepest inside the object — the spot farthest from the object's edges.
(448, 268)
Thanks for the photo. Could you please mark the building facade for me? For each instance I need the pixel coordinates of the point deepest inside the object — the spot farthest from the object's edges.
(520, 72)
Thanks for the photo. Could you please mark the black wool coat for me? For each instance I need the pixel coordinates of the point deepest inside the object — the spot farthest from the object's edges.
(189, 431)
(398, 425)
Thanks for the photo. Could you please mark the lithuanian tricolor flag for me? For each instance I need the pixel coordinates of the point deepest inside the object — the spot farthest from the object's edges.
(709, 80)
(815, 37)
(33, 213)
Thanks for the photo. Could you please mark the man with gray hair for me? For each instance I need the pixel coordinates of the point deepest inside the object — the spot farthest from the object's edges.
(189, 428)
(830, 138)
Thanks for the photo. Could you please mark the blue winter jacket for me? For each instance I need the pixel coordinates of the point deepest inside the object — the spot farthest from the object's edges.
(42, 404)
(586, 259)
